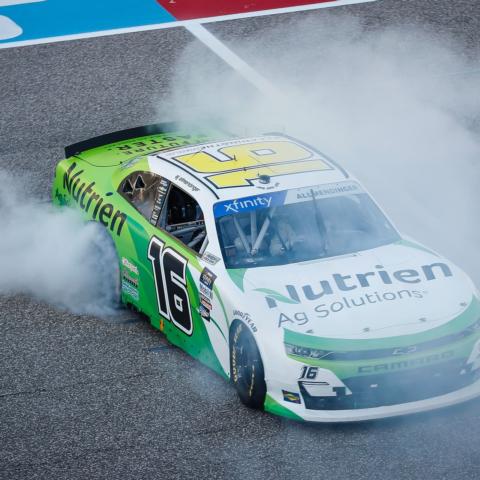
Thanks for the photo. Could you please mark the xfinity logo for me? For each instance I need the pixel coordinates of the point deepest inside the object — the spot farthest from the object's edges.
(247, 204)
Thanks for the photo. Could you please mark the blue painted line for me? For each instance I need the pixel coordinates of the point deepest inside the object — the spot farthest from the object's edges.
(54, 18)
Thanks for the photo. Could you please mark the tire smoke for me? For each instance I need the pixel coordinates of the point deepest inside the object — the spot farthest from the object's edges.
(399, 107)
(52, 254)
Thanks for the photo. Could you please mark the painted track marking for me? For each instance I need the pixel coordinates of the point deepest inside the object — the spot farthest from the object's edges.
(8, 28)
(173, 24)
(232, 59)
(194, 9)
(8, 3)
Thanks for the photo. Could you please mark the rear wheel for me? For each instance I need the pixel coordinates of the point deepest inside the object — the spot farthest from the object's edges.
(246, 367)
(106, 256)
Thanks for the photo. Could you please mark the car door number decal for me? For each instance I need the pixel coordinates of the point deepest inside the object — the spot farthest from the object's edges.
(169, 272)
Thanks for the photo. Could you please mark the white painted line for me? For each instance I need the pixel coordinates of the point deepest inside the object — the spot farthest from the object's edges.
(184, 23)
(7, 3)
(232, 59)
(102, 33)
(8, 28)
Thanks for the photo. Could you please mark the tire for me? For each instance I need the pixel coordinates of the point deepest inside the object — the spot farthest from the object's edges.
(105, 254)
(246, 367)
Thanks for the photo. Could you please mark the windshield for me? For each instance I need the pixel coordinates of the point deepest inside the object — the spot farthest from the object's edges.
(300, 225)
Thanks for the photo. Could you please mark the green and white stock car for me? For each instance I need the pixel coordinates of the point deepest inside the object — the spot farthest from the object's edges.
(271, 264)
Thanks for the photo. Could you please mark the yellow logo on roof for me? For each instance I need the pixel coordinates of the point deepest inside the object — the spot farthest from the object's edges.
(237, 163)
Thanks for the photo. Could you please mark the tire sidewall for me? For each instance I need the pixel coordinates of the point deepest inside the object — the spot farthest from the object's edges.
(108, 249)
(252, 395)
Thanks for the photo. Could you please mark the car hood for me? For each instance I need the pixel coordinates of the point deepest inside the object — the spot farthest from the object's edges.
(399, 289)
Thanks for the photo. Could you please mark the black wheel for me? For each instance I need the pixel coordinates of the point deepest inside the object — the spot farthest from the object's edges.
(246, 367)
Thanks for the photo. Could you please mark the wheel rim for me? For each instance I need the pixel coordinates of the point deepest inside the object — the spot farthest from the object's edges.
(246, 367)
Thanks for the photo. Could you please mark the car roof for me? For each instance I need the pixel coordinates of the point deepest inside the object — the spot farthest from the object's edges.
(241, 167)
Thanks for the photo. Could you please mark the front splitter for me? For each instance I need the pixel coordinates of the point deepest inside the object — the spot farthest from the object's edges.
(358, 415)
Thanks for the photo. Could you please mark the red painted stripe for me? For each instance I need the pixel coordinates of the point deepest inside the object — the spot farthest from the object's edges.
(190, 9)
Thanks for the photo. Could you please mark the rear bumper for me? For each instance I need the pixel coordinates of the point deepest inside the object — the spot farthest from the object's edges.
(332, 416)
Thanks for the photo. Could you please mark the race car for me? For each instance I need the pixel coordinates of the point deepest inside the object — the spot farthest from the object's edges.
(270, 263)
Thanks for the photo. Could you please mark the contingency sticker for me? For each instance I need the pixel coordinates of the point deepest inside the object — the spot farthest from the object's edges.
(207, 279)
(159, 200)
(129, 266)
(210, 258)
(130, 290)
(130, 279)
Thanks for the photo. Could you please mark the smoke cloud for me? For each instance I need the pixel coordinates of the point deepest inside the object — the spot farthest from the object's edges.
(52, 254)
(397, 106)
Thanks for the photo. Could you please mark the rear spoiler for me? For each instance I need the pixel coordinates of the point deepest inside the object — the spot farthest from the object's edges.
(119, 136)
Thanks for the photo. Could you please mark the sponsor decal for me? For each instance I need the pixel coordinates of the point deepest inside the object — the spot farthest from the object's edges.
(246, 318)
(205, 291)
(204, 312)
(207, 279)
(185, 182)
(129, 279)
(324, 310)
(160, 196)
(154, 144)
(327, 190)
(205, 303)
(348, 283)
(130, 290)
(248, 204)
(90, 201)
(210, 258)
(267, 200)
(129, 265)
(291, 397)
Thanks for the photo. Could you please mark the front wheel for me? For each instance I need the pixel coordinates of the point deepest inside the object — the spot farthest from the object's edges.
(246, 367)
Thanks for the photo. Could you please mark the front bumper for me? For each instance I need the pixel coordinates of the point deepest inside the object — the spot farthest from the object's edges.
(378, 393)
(356, 384)
(382, 396)
(386, 389)
(356, 415)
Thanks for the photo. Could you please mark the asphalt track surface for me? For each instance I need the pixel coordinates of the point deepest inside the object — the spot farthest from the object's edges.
(86, 397)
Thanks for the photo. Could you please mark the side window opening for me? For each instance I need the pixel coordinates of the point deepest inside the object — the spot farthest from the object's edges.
(146, 192)
(167, 207)
(183, 218)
